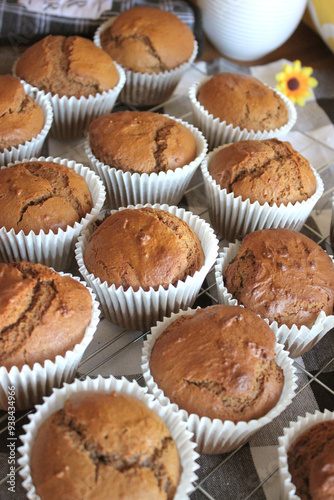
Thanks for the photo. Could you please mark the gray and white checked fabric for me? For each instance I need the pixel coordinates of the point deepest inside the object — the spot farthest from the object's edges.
(19, 26)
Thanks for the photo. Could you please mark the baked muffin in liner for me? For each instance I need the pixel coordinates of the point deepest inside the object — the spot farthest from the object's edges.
(218, 132)
(54, 249)
(31, 384)
(34, 146)
(296, 340)
(125, 188)
(176, 426)
(72, 115)
(215, 436)
(233, 218)
(148, 89)
(138, 310)
(290, 434)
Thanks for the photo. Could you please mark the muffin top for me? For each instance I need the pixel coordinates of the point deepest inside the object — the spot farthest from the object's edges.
(67, 66)
(141, 141)
(145, 248)
(243, 101)
(311, 462)
(21, 118)
(148, 40)
(101, 442)
(42, 314)
(268, 171)
(282, 275)
(219, 363)
(42, 195)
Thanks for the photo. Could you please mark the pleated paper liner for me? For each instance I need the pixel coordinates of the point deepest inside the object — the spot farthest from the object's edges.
(176, 426)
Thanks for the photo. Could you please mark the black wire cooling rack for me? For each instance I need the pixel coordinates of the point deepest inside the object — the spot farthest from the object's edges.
(241, 473)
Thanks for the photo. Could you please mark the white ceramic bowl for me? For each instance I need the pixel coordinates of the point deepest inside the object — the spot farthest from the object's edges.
(249, 29)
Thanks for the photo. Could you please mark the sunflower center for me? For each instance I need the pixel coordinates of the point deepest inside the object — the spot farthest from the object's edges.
(293, 84)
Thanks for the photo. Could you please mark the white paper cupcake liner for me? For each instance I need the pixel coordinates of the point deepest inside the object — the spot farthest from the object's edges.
(72, 115)
(291, 433)
(53, 249)
(32, 383)
(296, 340)
(35, 145)
(138, 310)
(56, 401)
(213, 435)
(125, 188)
(148, 89)
(232, 218)
(219, 132)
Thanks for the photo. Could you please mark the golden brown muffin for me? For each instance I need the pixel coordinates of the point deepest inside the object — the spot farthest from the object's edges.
(104, 445)
(67, 66)
(311, 462)
(144, 248)
(141, 141)
(148, 40)
(268, 171)
(41, 195)
(219, 363)
(42, 314)
(243, 101)
(282, 275)
(21, 118)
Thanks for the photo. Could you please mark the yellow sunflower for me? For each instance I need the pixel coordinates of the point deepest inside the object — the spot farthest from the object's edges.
(295, 82)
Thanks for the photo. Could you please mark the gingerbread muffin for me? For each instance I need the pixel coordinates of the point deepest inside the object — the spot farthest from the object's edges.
(283, 276)
(148, 40)
(243, 101)
(67, 66)
(268, 171)
(42, 314)
(229, 371)
(101, 442)
(311, 462)
(141, 141)
(21, 118)
(143, 248)
(41, 195)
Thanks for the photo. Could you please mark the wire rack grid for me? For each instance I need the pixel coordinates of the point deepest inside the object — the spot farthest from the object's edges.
(112, 351)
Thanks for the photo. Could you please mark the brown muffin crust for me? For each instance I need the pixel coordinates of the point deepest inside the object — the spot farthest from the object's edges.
(311, 462)
(268, 171)
(148, 40)
(282, 275)
(21, 118)
(67, 66)
(105, 442)
(42, 314)
(243, 101)
(41, 195)
(144, 248)
(141, 141)
(229, 370)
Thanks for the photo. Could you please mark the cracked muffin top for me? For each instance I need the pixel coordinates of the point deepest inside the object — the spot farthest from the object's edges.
(311, 462)
(42, 195)
(141, 141)
(42, 314)
(268, 171)
(145, 247)
(67, 66)
(102, 442)
(21, 118)
(283, 276)
(148, 40)
(243, 101)
(229, 371)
